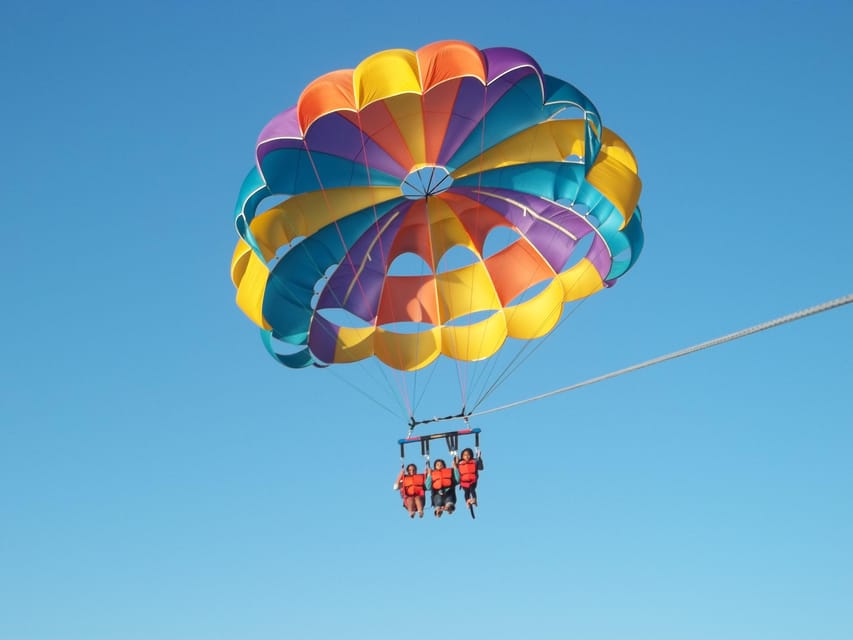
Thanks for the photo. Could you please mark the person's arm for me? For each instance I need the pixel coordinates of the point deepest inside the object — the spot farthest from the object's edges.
(398, 481)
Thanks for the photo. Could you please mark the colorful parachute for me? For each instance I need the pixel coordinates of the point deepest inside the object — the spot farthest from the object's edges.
(431, 153)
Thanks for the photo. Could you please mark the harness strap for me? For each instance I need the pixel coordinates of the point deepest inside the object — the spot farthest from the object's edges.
(452, 440)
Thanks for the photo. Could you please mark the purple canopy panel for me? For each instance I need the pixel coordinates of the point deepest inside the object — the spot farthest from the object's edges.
(332, 134)
(473, 102)
(499, 87)
(468, 110)
(322, 338)
(338, 136)
(283, 128)
(499, 60)
(599, 255)
(556, 247)
(356, 285)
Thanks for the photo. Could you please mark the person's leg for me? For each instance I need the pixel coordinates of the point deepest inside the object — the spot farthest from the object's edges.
(436, 504)
(471, 494)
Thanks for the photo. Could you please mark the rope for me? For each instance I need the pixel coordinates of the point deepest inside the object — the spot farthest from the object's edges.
(826, 306)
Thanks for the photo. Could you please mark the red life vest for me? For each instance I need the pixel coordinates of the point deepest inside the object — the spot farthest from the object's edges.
(413, 485)
(467, 473)
(442, 478)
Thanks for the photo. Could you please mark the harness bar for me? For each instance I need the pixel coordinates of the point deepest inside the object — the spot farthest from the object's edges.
(450, 436)
(436, 436)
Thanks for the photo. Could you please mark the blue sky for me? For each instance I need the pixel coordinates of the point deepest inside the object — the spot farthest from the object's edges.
(162, 477)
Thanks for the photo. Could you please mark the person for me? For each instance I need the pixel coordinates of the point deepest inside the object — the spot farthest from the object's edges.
(411, 485)
(442, 481)
(469, 469)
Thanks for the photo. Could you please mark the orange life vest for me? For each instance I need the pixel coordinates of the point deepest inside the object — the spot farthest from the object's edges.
(442, 478)
(413, 485)
(467, 473)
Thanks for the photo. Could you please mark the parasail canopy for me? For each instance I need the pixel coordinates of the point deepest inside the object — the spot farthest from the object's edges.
(427, 203)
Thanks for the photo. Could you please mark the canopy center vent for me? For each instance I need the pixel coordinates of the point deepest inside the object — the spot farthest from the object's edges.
(428, 180)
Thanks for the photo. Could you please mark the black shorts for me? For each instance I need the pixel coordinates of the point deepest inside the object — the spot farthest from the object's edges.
(443, 497)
